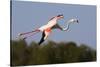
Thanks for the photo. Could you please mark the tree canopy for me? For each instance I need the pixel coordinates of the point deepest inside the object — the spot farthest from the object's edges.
(49, 53)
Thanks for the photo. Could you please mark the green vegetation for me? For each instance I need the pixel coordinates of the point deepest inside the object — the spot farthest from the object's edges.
(50, 53)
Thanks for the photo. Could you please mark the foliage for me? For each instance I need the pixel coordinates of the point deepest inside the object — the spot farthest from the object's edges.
(49, 53)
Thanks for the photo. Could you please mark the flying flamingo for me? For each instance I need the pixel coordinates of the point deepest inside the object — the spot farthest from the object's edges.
(52, 24)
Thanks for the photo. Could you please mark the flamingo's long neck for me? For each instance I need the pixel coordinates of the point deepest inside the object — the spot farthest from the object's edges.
(67, 27)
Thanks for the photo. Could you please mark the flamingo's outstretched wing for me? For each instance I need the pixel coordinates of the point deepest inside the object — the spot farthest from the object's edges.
(45, 35)
(42, 39)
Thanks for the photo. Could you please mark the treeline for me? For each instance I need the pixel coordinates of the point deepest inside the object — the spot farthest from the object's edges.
(49, 53)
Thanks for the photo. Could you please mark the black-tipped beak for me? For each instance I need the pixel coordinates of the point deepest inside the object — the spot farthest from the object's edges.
(77, 21)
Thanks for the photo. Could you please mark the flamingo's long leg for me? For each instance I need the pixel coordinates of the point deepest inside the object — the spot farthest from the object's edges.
(28, 32)
(30, 35)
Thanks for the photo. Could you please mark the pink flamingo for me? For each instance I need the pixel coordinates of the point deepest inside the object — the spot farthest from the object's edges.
(52, 24)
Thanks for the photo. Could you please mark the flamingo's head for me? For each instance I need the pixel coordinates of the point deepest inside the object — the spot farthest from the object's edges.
(74, 20)
(60, 16)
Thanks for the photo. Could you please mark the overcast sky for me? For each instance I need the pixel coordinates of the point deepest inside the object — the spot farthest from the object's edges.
(27, 16)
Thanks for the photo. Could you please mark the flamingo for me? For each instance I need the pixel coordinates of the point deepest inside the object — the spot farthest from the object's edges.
(52, 24)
